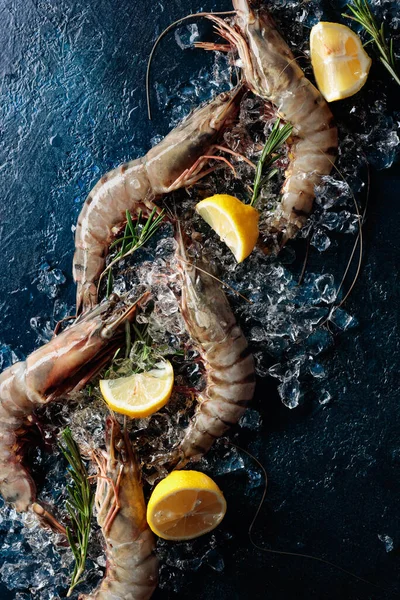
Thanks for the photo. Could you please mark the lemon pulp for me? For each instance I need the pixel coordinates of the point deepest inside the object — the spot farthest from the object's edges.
(185, 505)
(236, 223)
(141, 394)
(339, 61)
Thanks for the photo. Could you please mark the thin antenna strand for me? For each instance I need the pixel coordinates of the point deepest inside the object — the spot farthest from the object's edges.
(297, 554)
(160, 37)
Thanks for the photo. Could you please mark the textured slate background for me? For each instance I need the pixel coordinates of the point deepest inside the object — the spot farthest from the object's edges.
(72, 106)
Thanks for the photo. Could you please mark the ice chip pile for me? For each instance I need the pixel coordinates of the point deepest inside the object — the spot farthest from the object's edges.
(289, 325)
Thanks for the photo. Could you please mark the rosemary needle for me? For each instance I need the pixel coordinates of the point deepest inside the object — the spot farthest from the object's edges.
(79, 506)
(135, 236)
(362, 14)
(269, 156)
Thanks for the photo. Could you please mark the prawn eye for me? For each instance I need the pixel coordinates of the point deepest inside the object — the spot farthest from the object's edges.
(113, 298)
(106, 333)
(224, 97)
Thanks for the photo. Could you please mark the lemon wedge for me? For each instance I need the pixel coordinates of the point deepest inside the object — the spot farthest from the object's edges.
(142, 394)
(185, 505)
(235, 223)
(340, 63)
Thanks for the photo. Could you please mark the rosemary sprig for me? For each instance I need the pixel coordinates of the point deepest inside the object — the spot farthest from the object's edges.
(138, 344)
(362, 14)
(269, 156)
(135, 236)
(79, 506)
(142, 348)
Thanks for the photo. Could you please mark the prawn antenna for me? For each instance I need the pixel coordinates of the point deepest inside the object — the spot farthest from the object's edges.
(160, 37)
(303, 269)
(359, 241)
(223, 283)
(298, 554)
(361, 220)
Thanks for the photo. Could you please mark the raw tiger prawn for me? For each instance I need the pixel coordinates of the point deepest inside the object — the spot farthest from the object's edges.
(176, 162)
(132, 567)
(271, 72)
(229, 365)
(64, 364)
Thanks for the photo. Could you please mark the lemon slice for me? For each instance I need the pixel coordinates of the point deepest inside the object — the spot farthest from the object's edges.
(235, 223)
(142, 394)
(339, 60)
(185, 505)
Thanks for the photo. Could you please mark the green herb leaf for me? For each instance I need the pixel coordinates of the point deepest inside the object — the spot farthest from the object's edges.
(79, 506)
(269, 155)
(135, 236)
(110, 280)
(361, 13)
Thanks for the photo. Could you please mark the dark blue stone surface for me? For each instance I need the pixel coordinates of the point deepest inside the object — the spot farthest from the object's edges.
(72, 105)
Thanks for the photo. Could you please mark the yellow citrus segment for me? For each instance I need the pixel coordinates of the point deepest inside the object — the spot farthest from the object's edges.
(340, 63)
(185, 505)
(142, 394)
(235, 223)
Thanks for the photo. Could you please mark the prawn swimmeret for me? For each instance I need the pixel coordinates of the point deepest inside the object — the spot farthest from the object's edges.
(177, 161)
(271, 72)
(65, 363)
(132, 567)
(229, 365)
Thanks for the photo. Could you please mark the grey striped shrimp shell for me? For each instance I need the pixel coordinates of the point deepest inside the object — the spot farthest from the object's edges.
(173, 163)
(271, 72)
(132, 567)
(65, 363)
(229, 365)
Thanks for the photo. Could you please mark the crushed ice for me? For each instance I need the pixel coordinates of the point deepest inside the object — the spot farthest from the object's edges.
(283, 323)
(387, 541)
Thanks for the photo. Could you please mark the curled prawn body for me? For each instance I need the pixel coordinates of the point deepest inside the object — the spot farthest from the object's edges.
(132, 567)
(229, 366)
(175, 162)
(65, 363)
(271, 72)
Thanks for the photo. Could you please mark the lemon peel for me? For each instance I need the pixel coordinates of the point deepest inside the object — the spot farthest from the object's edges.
(141, 394)
(236, 223)
(185, 505)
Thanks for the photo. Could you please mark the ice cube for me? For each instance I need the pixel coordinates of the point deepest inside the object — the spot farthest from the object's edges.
(8, 356)
(324, 397)
(319, 341)
(186, 36)
(287, 370)
(316, 369)
(166, 247)
(256, 478)
(387, 541)
(230, 461)
(320, 240)
(214, 559)
(289, 392)
(257, 334)
(342, 319)
(325, 284)
(251, 420)
(49, 280)
(18, 575)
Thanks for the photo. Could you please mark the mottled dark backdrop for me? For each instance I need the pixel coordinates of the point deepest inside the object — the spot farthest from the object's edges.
(72, 106)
